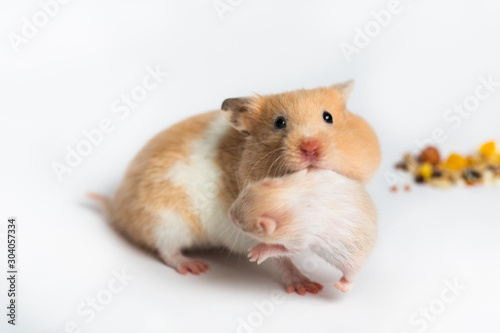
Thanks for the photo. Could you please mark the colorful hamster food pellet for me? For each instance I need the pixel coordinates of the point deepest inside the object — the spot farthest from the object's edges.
(428, 167)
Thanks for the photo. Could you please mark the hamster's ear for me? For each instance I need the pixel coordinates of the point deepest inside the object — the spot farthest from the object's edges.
(345, 88)
(267, 224)
(239, 112)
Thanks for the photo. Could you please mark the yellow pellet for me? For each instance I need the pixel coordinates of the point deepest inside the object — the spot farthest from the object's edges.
(488, 149)
(425, 170)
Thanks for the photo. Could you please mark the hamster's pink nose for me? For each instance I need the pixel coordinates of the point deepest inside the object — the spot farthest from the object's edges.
(310, 147)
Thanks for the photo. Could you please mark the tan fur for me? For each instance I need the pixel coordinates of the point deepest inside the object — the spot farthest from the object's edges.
(145, 192)
(250, 151)
(228, 157)
(349, 145)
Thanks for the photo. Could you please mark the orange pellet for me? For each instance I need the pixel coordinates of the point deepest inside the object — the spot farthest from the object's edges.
(455, 162)
(488, 149)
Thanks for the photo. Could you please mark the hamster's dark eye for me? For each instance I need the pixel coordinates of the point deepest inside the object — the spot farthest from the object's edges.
(327, 117)
(280, 123)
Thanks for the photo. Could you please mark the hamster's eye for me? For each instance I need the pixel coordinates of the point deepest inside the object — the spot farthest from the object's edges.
(327, 117)
(280, 123)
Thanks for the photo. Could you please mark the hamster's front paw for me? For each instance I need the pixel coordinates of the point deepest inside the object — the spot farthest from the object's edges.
(258, 253)
(261, 252)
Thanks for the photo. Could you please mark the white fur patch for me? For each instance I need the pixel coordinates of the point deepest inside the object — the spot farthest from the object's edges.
(173, 234)
(200, 176)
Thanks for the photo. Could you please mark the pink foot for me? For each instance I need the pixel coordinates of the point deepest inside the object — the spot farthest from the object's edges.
(304, 286)
(182, 264)
(261, 252)
(296, 281)
(193, 266)
(343, 285)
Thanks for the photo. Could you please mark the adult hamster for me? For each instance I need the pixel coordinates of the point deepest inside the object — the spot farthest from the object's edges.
(177, 191)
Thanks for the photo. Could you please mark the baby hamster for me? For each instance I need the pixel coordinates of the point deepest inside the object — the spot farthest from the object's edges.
(177, 191)
(318, 210)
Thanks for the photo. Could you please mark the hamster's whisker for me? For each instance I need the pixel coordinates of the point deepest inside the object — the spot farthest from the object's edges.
(281, 162)
(227, 230)
(235, 240)
(229, 251)
(266, 155)
(282, 167)
(276, 160)
(224, 231)
(237, 237)
(234, 243)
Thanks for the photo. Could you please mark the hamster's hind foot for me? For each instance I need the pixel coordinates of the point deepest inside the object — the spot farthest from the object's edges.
(303, 286)
(343, 285)
(185, 265)
(193, 266)
(296, 281)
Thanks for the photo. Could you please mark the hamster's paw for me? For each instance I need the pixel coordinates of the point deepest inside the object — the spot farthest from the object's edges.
(295, 281)
(343, 285)
(303, 286)
(182, 264)
(261, 252)
(193, 266)
(258, 253)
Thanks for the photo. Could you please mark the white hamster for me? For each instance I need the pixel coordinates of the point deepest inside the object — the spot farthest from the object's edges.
(319, 210)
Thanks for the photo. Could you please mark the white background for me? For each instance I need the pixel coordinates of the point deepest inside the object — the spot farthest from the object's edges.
(66, 78)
